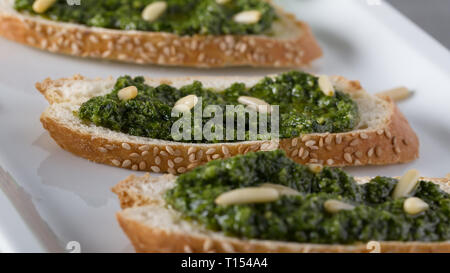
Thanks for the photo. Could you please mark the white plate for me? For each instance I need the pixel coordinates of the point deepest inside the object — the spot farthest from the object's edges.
(51, 197)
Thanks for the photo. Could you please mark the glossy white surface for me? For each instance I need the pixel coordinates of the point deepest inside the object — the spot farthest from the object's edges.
(53, 197)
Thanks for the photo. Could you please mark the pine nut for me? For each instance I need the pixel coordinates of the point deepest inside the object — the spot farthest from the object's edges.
(247, 196)
(396, 94)
(282, 190)
(406, 184)
(127, 93)
(414, 205)
(335, 206)
(154, 10)
(41, 6)
(247, 17)
(315, 168)
(186, 103)
(325, 85)
(255, 104)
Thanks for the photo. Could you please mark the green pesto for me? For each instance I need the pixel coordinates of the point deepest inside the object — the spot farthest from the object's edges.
(304, 108)
(302, 218)
(183, 17)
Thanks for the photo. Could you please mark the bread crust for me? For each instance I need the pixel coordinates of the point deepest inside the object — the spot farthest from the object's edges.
(154, 239)
(151, 240)
(159, 47)
(395, 143)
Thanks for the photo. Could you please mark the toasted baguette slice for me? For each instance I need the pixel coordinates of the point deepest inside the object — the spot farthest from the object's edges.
(292, 44)
(152, 227)
(382, 137)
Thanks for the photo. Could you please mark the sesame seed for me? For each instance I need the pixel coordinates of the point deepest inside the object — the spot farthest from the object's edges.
(156, 169)
(155, 151)
(388, 134)
(109, 147)
(106, 53)
(170, 163)
(93, 39)
(192, 157)
(294, 142)
(199, 154)
(181, 170)
(144, 147)
(305, 154)
(314, 148)
(241, 149)
(157, 160)
(210, 151)
(191, 150)
(227, 247)
(349, 149)
(394, 141)
(126, 163)
(144, 153)
(358, 154)
(126, 146)
(102, 150)
(357, 162)
(370, 152)
(300, 152)
(178, 160)
(225, 150)
(338, 139)
(397, 150)
(363, 136)
(163, 153)
(355, 142)
(142, 165)
(170, 150)
(264, 146)
(294, 153)
(378, 151)
(191, 166)
(115, 162)
(305, 138)
(321, 142)
(310, 143)
(215, 156)
(44, 43)
(330, 161)
(134, 167)
(405, 142)
(380, 132)
(348, 157)
(207, 244)
(31, 40)
(134, 155)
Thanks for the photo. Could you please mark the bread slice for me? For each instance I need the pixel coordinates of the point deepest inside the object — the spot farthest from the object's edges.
(152, 227)
(382, 137)
(292, 44)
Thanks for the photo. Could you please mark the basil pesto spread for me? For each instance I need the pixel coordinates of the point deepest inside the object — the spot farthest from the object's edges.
(302, 217)
(182, 17)
(303, 107)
